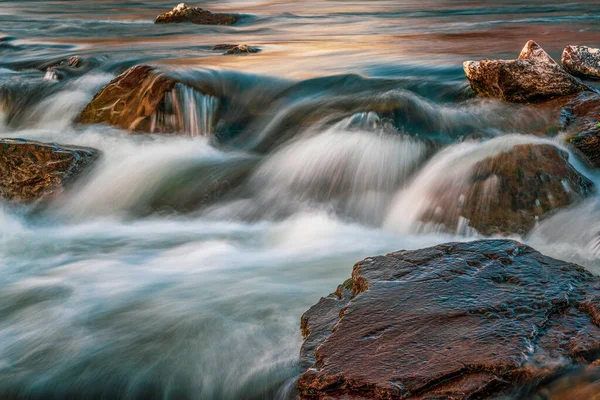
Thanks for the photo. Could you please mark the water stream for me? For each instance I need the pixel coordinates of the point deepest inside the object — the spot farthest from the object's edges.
(145, 280)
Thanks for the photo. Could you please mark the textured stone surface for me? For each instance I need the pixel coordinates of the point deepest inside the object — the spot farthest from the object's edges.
(455, 321)
(129, 100)
(196, 15)
(533, 77)
(582, 122)
(582, 61)
(508, 193)
(236, 49)
(37, 171)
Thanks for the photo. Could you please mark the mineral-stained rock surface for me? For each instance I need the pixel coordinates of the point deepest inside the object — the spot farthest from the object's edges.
(533, 77)
(582, 121)
(144, 99)
(582, 61)
(196, 15)
(129, 100)
(37, 171)
(455, 321)
(509, 192)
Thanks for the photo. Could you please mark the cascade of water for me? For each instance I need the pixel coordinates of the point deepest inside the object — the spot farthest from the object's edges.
(354, 171)
(186, 110)
(450, 168)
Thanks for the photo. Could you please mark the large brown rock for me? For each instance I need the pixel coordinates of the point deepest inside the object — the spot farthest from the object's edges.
(533, 77)
(582, 61)
(455, 321)
(145, 99)
(129, 100)
(510, 192)
(32, 171)
(196, 15)
(582, 122)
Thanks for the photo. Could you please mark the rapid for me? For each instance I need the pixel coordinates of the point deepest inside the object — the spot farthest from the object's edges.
(144, 281)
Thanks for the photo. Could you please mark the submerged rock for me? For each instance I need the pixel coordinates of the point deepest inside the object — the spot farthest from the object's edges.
(236, 49)
(581, 384)
(144, 99)
(455, 321)
(533, 77)
(196, 15)
(509, 192)
(74, 66)
(583, 125)
(39, 171)
(582, 61)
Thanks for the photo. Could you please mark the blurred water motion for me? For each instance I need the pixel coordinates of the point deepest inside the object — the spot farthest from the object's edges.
(143, 282)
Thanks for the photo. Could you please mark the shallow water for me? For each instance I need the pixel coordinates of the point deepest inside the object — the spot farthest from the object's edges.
(140, 283)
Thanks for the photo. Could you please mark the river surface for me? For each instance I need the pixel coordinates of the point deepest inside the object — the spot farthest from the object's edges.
(135, 285)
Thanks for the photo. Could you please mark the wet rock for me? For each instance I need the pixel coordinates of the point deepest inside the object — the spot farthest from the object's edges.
(582, 61)
(196, 15)
(317, 323)
(145, 99)
(510, 192)
(74, 61)
(129, 100)
(582, 122)
(236, 49)
(454, 321)
(533, 77)
(581, 384)
(192, 186)
(38, 171)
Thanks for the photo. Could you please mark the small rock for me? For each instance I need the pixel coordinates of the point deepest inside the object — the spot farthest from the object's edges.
(34, 171)
(582, 61)
(196, 15)
(74, 66)
(74, 62)
(236, 49)
(454, 321)
(533, 77)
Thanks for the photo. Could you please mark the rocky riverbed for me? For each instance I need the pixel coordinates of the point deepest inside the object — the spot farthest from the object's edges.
(172, 218)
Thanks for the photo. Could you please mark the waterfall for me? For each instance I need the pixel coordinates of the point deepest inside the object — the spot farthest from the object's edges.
(186, 110)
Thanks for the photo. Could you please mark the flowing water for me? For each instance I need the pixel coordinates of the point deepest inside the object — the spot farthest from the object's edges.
(147, 280)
